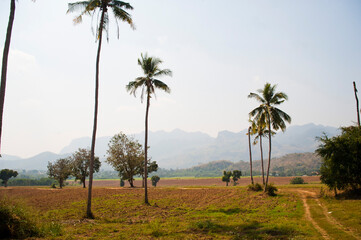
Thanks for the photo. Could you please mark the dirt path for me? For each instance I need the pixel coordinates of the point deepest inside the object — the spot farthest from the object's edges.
(331, 220)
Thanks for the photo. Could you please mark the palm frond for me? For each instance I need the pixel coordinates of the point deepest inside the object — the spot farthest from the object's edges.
(161, 85)
(77, 6)
(257, 97)
(122, 15)
(163, 72)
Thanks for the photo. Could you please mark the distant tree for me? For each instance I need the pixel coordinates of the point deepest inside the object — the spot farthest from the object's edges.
(155, 179)
(148, 83)
(99, 8)
(341, 159)
(236, 175)
(60, 170)
(80, 164)
(125, 155)
(297, 180)
(152, 167)
(226, 177)
(6, 174)
(267, 110)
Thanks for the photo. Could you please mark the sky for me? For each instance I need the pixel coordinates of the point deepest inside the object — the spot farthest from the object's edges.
(219, 52)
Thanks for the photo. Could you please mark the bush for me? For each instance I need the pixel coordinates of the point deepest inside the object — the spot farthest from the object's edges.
(297, 180)
(16, 221)
(271, 190)
(255, 187)
(155, 180)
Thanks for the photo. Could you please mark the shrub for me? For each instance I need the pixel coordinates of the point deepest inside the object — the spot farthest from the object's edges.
(16, 221)
(255, 187)
(155, 180)
(122, 182)
(271, 190)
(297, 180)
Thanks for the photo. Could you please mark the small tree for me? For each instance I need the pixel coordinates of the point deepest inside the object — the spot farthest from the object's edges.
(125, 155)
(60, 170)
(6, 174)
(236, 175)
(155, 179)
(297, 180)
(341, 159)
(80, 165)
(226, 177)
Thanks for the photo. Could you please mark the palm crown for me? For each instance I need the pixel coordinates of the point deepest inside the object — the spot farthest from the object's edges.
(93, 7)
(267, 112)
(148, 83)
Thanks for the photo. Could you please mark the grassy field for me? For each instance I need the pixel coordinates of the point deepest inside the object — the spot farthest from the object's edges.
(192, 213)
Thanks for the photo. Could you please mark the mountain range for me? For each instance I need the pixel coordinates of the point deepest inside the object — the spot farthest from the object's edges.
(180, 149)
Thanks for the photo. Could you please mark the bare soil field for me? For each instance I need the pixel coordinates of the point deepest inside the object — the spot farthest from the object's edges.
(176, 182)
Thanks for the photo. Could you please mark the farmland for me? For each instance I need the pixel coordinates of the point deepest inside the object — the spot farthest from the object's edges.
(181, 209)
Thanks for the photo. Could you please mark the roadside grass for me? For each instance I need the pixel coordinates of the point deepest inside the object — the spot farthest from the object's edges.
(347, 211)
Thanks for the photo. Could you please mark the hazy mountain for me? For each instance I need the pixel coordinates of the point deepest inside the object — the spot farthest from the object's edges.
(38, 162)
(180, 149)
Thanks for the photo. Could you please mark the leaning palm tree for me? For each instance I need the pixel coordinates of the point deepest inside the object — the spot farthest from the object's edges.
(5, 63)
(268, 113)
(148, 83)
(99, 7)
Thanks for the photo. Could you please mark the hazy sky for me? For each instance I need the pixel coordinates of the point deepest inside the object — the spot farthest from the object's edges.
(219, 52)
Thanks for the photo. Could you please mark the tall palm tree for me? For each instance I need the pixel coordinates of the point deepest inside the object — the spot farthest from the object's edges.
(268, 112)
(250, 153)
(148, 83)
(96, 7)
(5, 63)
(259, 129)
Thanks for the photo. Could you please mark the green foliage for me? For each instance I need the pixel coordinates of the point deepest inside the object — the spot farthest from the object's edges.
(297, 180)
(122, 182)
(155, 179)
(236, 174)
(53, 185)
(80, 162)
(271, 190)
(31, 182)
(341, 163)
(126, 156)
(16, 222)
(226, 177)
(60, 170)
(255, 187)
(6, 174)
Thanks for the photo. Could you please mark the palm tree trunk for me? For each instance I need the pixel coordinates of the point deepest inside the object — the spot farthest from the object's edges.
(5, 64)
(260, 145)
(357, 107)
(250, 153)
(89, 213)
(146, 152)
(269, 152)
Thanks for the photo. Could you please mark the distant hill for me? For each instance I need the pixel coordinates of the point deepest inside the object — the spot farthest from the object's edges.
(180, 149)
(296, 164)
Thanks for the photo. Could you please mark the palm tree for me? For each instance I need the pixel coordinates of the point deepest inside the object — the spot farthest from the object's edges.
(259, 129)
(93, 7)
(148, 83)
(250, 153)
(268, 113)
(5, 63)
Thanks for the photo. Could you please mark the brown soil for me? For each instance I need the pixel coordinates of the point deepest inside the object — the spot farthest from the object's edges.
(204, 181)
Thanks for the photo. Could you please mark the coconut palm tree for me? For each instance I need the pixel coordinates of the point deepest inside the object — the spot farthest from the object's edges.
(148, 83)
(5, 63)
(259, 129)
(268, 113)
(99, 7)
(250, 153)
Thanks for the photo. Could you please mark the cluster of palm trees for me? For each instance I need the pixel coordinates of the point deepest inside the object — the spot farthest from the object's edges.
(150, 66)
(264, 119)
